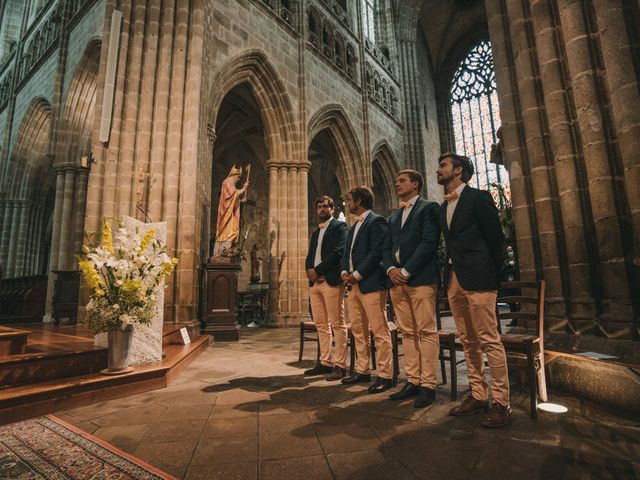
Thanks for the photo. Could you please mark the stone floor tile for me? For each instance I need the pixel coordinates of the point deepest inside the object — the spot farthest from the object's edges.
(231, 449)
(125, 437)
(234, 411)
(223, 427)
(177, 454)
(300, 442)
(230, 471)
(178, 412)
(271, 424)
(367, 465)
(300, 468)
(175, 431)
(346, 438)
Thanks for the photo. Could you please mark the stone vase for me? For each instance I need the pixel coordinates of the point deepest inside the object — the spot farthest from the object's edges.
(119, 345)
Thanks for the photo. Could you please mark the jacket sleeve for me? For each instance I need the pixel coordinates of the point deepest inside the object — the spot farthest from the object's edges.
(387, 254)
(312, 252)
(489, 221)
(337, 251)
(372, 261)
(426, 249)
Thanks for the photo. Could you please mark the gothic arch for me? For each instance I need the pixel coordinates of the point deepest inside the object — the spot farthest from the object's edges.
(29, 164)
(334, 118)
(73, 137)
(254, 69)
(384, 167)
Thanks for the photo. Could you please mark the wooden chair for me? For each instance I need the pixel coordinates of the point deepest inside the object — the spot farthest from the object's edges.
(447, 342)
(308, 333)
(524, 344)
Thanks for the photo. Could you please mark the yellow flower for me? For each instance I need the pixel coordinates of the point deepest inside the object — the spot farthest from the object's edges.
(146, 240)
(105, 237)
(91, 275)
(167, 267)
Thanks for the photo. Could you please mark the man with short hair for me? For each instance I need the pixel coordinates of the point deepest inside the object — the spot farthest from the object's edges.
(475, 244)
(326, 292)
(410, 260)
(361, 269)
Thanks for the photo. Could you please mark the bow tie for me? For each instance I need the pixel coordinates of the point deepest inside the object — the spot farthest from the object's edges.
(406, 204)
(359, 218)
(452, 196)
(321, 226)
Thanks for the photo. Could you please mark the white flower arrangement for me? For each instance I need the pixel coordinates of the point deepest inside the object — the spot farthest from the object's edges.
(124, 271)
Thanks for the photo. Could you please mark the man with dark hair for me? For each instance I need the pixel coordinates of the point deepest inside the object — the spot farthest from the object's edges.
(475, 243)
(410, 260)
(326, 292)
(366, 305)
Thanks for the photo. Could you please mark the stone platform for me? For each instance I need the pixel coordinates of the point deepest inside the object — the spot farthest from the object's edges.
(244, 410)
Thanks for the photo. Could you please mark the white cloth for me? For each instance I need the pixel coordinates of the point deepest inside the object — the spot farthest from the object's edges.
(318, 258)
(451, 206)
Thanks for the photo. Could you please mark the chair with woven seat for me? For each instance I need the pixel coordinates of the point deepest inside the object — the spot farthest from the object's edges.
(447, 342)
(524, 344)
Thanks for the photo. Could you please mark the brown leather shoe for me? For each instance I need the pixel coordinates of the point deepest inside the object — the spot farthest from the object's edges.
(497, 417)
(469, 406)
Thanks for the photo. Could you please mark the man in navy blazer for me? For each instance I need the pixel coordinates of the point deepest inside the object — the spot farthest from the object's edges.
(362, 270)
(410, 261)
(326, 291)
(475, 252)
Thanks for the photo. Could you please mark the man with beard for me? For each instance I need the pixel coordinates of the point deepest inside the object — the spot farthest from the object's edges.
(326, 292)
(475, 244)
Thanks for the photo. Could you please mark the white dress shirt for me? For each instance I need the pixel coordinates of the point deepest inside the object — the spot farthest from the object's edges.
(323, 228)
(356, 229)
(405, 214)
(451, 205)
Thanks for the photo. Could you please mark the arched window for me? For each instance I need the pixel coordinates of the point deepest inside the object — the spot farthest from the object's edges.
(369, 14)
(476, 118)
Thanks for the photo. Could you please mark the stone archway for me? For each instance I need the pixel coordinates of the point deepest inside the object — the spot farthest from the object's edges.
(384, 169)
(28, 186)
(286, 171)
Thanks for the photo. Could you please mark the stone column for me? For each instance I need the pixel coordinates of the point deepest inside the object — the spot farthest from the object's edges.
(5, 236)
(67, 227)
(407, 31)
(567, 164)
(614, 23)
(598, 162)
(19, 269)
(288, 226)
(18, 233)
(54, 264)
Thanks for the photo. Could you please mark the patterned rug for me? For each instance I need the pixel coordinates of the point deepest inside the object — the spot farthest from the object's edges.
(48, 448)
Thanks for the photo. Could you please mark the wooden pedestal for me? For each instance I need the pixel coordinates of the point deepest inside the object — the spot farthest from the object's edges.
(221, 301)
(65, 295)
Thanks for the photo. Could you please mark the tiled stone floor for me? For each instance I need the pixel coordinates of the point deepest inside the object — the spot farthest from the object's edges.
(244, 411)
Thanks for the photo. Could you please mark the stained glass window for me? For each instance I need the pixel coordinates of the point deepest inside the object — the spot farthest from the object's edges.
(476, 119)
(368, 10)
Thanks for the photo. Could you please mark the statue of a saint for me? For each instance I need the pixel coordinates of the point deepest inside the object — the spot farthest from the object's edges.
(228, 224)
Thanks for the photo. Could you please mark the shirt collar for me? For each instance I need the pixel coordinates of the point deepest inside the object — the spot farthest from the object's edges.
(325, 224)
(460, 188)
(413, 201)
(365, 214)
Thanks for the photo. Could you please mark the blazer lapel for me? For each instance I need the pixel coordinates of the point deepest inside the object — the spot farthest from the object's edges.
(462, 202)
(364, 224)
(325, 239)
(413, 209)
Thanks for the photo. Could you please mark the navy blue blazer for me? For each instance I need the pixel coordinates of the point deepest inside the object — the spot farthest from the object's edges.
(331, 252)
(367, 252)
(475, 241)
(418, 242)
